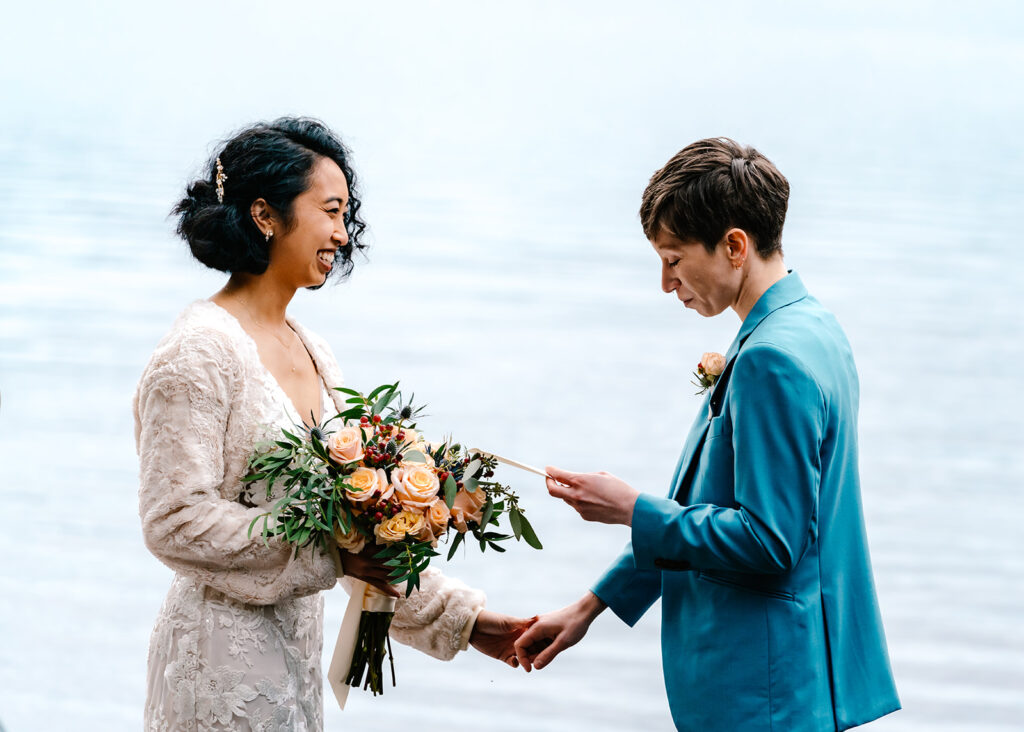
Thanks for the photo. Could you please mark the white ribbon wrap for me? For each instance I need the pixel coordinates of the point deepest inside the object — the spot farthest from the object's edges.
(362, 598)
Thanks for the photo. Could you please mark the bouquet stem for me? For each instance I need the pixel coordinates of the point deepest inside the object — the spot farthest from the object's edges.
(372, 644)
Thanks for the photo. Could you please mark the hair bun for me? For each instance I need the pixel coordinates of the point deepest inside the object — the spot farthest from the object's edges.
(210, 227)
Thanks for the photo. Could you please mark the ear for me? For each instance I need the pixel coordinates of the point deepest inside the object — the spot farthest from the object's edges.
(263, 215)
(737, 246)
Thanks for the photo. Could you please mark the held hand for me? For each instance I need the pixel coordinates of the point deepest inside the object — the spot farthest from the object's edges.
(553, 632)
(595, 496)
(495, 634)
(372, 571)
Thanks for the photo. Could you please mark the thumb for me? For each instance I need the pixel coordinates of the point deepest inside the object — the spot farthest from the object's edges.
(548, 654)
(562, 476)
(529, 636)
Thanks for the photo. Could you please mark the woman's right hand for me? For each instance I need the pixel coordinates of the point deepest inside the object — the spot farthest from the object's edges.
(372, 571)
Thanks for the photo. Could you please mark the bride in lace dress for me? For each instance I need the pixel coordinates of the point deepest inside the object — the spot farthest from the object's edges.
(237, 643)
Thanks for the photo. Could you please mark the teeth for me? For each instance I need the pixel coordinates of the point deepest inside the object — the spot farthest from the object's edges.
(327, 257)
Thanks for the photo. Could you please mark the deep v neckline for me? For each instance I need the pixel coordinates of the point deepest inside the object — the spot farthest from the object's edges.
(289, 402)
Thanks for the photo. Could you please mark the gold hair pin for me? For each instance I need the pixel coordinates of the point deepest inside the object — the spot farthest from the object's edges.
(220, 182)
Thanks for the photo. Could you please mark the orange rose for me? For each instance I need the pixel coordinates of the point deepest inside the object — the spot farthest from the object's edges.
(353, 541)
(397, 527)
(364, 482)
(713, 363)
(468, 507)
(416, 485)
(346, 445)
(436, 516)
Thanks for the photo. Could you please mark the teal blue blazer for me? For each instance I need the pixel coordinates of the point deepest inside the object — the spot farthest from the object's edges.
(769, 615)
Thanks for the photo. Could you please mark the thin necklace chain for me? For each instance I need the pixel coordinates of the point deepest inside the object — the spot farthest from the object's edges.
(289, 349)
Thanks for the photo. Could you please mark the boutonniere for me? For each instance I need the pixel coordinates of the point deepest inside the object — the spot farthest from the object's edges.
(708, 370)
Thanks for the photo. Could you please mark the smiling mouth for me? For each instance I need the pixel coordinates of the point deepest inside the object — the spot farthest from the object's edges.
(326, 257)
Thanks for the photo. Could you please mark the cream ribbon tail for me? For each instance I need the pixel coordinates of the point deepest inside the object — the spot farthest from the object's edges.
(361, 598)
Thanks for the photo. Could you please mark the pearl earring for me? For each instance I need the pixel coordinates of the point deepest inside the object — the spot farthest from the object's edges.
(270, 233)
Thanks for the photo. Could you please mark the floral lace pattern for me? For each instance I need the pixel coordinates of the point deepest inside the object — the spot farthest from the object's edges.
(237, 643)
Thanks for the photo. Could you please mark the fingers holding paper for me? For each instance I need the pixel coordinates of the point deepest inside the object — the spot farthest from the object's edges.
(595, 496)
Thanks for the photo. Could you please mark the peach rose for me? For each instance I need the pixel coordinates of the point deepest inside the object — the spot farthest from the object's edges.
(713, 363)
(416, 485)
(397, 527)
(346, 445)
(437, 516)
(353, 541)
(468, 507)
(364, 482)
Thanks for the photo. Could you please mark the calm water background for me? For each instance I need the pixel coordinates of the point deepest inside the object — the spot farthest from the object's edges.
(502, 153)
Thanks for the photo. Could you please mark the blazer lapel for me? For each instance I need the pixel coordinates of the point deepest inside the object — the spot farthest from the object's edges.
(786, 291)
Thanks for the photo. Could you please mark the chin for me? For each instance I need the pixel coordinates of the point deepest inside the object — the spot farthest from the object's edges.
(708, 312)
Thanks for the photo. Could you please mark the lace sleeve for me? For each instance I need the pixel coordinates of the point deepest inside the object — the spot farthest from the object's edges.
(182, 407)
(438, 617)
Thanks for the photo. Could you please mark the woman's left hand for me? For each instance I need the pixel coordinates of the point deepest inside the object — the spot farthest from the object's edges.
(495, 635)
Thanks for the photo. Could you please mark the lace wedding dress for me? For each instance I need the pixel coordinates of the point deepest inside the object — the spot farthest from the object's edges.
(237, 643)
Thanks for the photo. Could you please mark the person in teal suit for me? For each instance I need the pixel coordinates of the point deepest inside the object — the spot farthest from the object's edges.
(758, 552)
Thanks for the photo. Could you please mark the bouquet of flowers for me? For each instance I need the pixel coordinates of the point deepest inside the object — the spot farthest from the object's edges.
(366, 476)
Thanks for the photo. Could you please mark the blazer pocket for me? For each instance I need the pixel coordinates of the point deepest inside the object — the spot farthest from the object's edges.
(719, 426)
(729, 582)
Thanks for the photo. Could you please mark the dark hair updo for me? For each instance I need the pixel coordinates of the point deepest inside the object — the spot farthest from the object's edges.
(272, 161)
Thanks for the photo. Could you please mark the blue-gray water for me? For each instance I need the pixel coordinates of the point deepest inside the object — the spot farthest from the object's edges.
(503, 152)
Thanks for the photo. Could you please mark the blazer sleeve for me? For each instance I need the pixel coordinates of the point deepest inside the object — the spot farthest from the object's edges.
(778, 417)
(628, 591)
(182, 407)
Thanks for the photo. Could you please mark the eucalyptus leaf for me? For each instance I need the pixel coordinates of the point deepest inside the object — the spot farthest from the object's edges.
(488, 512)
(515, 520)
(455, 544)
(450, 490)
(529, 534)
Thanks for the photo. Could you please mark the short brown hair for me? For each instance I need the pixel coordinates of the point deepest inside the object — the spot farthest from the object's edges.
(712, 185)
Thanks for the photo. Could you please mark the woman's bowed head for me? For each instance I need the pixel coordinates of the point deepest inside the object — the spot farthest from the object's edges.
(714, 215)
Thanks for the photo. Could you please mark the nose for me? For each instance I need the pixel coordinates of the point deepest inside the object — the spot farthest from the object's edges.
(668, 281)
(340, 235)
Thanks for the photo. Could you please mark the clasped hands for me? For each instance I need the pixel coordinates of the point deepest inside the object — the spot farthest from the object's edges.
(534, 642)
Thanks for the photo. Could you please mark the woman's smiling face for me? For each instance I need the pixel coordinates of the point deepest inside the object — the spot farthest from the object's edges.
(304, 253)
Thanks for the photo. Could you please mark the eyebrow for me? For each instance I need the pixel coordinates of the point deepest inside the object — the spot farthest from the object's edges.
(341, 201)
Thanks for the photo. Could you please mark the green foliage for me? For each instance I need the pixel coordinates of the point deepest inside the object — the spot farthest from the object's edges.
(310, 499)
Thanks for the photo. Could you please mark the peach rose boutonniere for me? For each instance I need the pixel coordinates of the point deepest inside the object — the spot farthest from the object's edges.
(708, 371)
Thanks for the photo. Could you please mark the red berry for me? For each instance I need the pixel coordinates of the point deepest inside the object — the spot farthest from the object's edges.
(364, 419)
(376, 419)
(378, 515)
(400, 435)
(443, 475)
